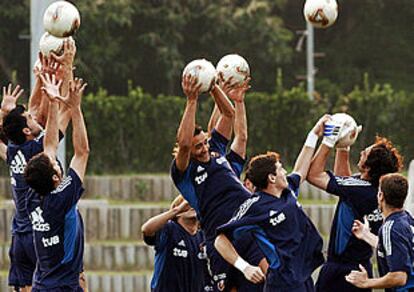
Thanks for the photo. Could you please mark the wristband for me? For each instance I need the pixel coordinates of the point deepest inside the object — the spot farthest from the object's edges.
(311, 140)
(241, 264)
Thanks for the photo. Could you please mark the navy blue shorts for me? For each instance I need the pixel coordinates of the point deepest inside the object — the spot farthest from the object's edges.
(60, 289)
(225, 275)
(332, 277)
(308, 286)
(22, 260)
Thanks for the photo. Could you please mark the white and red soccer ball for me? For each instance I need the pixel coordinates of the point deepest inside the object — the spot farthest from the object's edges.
(204, 71)
(321, 13)
(235, 67)
(61, 19)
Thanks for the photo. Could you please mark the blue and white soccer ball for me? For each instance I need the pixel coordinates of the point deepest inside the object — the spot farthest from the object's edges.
(321, 13)
(204, 71)
(234, 66)
(61, 19)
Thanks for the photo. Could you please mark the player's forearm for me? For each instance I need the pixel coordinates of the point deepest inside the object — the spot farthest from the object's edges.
(390, 280)
(79, 135)
(187, 125)
(35, 98)
(371, 239)
(240, 129)
(51, 140)
(67, 77)
(342, 166)
(226, 249)
(215, 115)
(303, 161)
(224, 104)
(42, 112)
(65, 115)
(155, 223)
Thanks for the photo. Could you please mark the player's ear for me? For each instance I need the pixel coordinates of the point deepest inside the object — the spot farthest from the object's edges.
(27, 131)
(271, 178)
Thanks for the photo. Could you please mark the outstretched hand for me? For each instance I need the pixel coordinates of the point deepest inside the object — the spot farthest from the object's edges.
(10, 97)
(319, 127)
(68, 56)
(191, 87)
(51, 87)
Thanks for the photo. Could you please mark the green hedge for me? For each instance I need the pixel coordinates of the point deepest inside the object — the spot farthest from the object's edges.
(136, 133)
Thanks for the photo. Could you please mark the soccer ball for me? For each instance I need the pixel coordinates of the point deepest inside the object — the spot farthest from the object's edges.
(321, 13)
(49, 43)
(204, 71)
(350, 130)
(61, 19)
(234, 66)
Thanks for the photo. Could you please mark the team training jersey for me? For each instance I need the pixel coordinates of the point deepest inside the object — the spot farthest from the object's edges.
(357, 198)
(179, 259)
(213, 189)
(17, 158)
(58, 234)
(287, 237)
(395, 251)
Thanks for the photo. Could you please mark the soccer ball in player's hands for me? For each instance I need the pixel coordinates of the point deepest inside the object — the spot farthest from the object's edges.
(350, 130)
(321, 13)
(204, 71)
(61, 19)
(235, 67)
(49, 43)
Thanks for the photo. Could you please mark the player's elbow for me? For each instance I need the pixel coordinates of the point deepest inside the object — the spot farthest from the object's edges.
(398, 279)
(218, 243)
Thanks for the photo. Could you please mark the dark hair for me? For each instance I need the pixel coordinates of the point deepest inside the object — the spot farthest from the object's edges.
(394, 187)
(39, 173)
(14, 123)
(197, 130)
(260, 167)
(382, 159)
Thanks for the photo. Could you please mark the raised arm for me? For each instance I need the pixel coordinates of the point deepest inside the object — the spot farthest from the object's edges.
(237, 94)
(229, 253)
(214, 118)
(304, 159)
(187, 124)
(225, 122)
(51, 88)
(342, 166)
(79, 135)
(155, 223)
(317, 175)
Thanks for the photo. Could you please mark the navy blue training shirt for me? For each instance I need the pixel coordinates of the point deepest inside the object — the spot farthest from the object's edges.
(58, 234)
(17, 158)
(213, 189)
(180, 259)
(287, 237)
(395, 252)
(357, 198)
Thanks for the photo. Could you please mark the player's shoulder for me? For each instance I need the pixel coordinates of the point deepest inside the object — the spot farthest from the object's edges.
(352, 181)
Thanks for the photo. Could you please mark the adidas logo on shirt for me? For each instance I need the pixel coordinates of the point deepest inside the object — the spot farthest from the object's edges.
(18, 163)
(38, 222)
(181, 243)
(200, 168)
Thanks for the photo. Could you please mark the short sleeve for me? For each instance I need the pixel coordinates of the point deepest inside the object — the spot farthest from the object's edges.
(160, 239)
(184, 184)
(294, 182)
(69, 190)
(236, 162)
(396, 247)
(218, 143)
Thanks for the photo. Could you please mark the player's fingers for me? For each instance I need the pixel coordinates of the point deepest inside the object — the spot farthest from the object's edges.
(4, 91)
(9, 89)
(19, 93)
